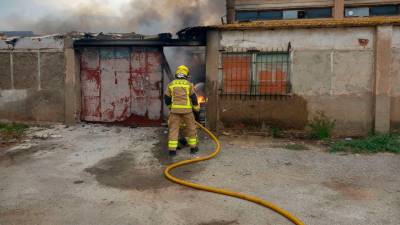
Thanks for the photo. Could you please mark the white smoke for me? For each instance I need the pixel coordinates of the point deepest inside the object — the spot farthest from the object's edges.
(140, 16)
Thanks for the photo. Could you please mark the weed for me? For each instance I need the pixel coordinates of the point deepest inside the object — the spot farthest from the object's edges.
(276, 132)
(370, 144)
(296, 147)
(12, 130)
(320, 127)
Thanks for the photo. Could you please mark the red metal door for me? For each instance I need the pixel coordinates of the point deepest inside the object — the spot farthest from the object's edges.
(122, 84)
(90, 81)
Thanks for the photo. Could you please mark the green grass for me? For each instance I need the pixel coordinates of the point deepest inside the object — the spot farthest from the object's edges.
(296, 147)
(276, 132)
(370, 144)
(12, 130)
(320, 127)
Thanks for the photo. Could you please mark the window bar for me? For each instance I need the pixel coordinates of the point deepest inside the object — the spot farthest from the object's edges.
(254, 69)
(238, 77)
(273, 72)
(236, 64)
(264, 84)
(249, 70)
(260, 69)
(252, 75)
(243, 79)
(283, 74)
(256, 78)
(273, 77)
(239, 60)
(232, 66)
(288, 76)
(224, 74)
(236, 67)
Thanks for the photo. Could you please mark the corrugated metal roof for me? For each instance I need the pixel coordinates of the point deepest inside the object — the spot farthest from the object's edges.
(310, 23)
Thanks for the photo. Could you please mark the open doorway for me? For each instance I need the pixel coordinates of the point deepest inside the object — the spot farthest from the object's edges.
(194, 58)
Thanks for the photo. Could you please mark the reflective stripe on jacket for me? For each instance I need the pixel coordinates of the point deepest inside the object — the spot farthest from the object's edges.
(181, 92)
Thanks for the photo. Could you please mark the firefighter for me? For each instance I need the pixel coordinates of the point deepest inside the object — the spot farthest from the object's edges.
(182, 101)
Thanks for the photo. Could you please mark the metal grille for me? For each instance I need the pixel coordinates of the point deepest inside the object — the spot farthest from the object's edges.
(256, 73)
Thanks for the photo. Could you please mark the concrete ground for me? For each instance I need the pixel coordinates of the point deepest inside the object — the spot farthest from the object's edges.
(94, 174)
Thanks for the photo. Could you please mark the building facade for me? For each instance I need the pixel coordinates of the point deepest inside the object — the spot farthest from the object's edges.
(253, 10)
(284, 72)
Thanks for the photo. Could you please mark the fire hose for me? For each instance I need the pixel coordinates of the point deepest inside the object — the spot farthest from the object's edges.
(259, 201)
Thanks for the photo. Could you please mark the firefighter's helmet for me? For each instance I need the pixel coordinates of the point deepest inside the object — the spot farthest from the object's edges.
(182, 72)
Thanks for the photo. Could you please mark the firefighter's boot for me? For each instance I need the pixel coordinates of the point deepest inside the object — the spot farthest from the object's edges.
(194, 150)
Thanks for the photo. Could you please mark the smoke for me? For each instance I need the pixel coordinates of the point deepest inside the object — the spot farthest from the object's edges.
(140, 16)
(167, 15)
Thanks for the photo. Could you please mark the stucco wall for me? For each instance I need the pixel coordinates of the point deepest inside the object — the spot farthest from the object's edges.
(395, 106)
(332, 70)
(32, 74)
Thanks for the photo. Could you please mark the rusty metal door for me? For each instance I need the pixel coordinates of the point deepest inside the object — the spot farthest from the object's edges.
(122, 85)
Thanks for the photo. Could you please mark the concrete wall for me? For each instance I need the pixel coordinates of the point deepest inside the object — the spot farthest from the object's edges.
(395, 87)
(32, 74)
(332, 70)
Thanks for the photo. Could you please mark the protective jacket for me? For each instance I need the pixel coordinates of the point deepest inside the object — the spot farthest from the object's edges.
(180, 97)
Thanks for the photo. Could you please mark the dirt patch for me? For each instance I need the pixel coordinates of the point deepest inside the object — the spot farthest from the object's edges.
(220, 222)
(121, 172)
(21, 155)
(348, 190)
(159, 150)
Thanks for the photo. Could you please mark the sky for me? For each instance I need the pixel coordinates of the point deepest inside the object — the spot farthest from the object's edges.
(38, 8)
(21, 14)
(59, 16)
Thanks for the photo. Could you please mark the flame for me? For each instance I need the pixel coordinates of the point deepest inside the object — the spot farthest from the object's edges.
(201, 99)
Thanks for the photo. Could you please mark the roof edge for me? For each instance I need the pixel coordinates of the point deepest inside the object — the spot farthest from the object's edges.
(310, 23)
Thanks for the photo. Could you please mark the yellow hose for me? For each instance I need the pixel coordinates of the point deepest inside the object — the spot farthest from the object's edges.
(256, 200)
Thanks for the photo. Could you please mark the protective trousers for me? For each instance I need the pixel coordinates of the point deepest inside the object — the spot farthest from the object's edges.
(174, 123)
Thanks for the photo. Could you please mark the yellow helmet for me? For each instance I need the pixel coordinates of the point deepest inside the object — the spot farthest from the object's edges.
(182, 72)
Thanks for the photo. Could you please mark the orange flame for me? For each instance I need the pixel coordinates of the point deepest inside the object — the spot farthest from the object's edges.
(201, 99)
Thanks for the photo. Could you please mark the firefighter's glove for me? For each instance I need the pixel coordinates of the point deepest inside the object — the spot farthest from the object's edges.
(196, 108)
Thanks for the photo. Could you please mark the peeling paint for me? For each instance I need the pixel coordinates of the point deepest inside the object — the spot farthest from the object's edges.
(121, 84)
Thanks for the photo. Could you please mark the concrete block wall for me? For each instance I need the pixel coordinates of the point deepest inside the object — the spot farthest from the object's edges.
(32, 74)
(332, 70)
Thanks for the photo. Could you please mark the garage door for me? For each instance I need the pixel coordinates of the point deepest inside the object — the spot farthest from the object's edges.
(121, 84)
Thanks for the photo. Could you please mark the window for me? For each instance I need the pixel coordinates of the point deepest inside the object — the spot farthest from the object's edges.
(382, 10)
(357, 12)
(270, 15)
(244, 16)
(255, 74)
(386, 10)
(319, 13)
